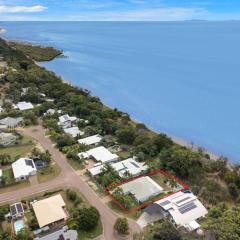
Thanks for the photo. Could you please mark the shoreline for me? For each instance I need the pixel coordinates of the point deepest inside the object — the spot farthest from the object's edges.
(177, 140)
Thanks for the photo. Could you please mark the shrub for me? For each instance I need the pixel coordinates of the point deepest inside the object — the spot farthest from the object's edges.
(121, 226)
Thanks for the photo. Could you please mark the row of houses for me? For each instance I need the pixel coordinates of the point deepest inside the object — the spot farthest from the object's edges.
(182, 208)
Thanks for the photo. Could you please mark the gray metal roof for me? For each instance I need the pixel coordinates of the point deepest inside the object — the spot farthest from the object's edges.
(62, 234)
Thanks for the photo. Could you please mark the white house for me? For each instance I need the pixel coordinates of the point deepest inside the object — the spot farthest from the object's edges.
(142, 188)
(130, 166)
(73, 131)
(49, 112)
(24, 106)
(66, 121)
(100, 154)
(92, 140)
(23, 168)
(183, 209)
(96, 170)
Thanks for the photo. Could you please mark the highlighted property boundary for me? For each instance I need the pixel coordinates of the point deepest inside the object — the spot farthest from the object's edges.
(145, 204)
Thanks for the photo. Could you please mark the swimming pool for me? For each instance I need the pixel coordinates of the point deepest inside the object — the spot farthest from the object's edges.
(18, 225)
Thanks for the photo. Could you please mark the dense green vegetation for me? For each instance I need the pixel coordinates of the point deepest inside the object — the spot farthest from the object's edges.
(36, 52)
(121, 226)
(214, 182)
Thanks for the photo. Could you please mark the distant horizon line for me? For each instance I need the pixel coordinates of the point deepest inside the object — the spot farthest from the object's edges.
(187, 20)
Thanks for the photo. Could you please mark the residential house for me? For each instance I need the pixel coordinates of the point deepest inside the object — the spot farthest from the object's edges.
(7, 138)
(10, 122)
(100, 154)
(17, 210)
(22, 106)
(23, 168)
(62, 234)
(49, 112)
(65, 121)
(124, 168)
(92, 140)
(50, 211)
(73, 131)
(129, 166)
(183, 209)
(142, 188)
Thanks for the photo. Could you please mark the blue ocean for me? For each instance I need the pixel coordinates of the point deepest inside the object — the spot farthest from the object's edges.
(181, 78)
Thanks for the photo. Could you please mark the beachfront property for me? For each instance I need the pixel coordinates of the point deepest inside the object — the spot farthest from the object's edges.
(92, 140)
(16, 210)
(142, 188)
(62, 234)
(65, 121)
(100, 154)
(73, 131)
(126, 167)
(23, 168)
(22, 106)
(183, 209)
(50, 211)
(10, 122)
(7, 139)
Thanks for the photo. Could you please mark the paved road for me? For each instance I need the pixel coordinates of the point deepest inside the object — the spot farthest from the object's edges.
(67, 178)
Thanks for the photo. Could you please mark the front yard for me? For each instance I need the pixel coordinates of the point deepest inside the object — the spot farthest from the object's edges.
(24, 147)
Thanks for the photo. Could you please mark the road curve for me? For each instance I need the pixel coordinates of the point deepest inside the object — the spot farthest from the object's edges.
(67, 178)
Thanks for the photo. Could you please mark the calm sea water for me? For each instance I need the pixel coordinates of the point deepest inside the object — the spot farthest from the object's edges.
(182, 78)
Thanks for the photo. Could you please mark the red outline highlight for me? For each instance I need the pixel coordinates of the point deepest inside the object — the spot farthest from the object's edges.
(133, 210)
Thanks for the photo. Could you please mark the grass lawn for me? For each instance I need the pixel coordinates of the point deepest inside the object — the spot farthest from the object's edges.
(8, 176)
(159, 179)
(76, 165)
(25, 146)
(92, 234)
(48, 173)
(117, 209)
(10, 184)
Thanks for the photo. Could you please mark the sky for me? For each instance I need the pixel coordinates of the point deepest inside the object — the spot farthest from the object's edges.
(118, 10)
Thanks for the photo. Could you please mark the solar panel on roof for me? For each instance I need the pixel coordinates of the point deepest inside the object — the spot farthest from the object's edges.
(134, 164)
(182, 200)
(29, 163)
(165, 203)
(61, 237)
(187, 208)
(13, 209)
(19, 208)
